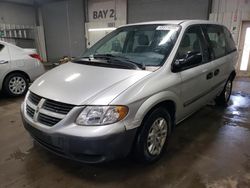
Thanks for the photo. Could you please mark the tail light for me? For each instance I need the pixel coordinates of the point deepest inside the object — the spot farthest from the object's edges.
(36, 56)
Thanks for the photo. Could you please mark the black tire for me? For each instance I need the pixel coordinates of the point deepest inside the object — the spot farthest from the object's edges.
(9, 80)
(224, 97)
(141, 149)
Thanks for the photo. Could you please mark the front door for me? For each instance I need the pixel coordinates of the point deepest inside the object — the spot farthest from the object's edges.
(196, 76)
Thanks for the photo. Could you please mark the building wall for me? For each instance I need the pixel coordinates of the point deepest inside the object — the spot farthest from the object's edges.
(148, 10)
(18, 14)
(231, 13)
(27, 2)
(64, 20)
(64, 28)
(11, 13)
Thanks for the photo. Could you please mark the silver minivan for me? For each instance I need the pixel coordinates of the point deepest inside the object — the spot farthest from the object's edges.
(127, 93)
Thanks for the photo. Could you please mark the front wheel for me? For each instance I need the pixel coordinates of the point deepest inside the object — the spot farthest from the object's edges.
(153, 137)
(224, 97)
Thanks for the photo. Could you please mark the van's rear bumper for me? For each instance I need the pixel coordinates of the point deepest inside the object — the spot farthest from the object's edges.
(88, 150)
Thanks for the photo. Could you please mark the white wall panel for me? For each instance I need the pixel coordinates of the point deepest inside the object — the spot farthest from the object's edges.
(237, 10)
(104, 15)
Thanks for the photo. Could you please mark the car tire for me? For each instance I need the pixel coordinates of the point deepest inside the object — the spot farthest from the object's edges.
(224, 97)
(147, 136)
(15, 84)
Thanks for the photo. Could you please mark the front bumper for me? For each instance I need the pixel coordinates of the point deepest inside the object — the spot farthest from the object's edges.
(84, 149)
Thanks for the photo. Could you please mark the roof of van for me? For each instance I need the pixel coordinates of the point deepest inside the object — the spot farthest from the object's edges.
(177, 22)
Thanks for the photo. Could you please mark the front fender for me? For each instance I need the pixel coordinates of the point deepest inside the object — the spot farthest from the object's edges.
(152, 101)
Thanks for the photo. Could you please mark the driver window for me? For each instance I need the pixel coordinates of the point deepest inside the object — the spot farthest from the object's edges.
(191, 43)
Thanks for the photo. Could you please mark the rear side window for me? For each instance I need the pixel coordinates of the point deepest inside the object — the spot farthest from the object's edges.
(217, 40)
(1, 47)
(230, 45)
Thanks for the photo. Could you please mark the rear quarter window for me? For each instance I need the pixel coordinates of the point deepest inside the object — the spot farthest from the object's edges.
(230, 44)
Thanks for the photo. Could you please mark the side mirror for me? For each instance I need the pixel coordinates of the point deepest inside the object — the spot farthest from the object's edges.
(191, 59)
(177, 65)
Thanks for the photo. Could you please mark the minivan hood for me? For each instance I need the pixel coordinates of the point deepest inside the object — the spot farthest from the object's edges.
(80, 84)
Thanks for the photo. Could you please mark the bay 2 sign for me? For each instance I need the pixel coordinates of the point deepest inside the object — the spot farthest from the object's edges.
(104, 14)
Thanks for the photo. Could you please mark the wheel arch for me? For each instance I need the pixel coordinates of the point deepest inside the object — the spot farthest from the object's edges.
(166, 99)
(168, 105)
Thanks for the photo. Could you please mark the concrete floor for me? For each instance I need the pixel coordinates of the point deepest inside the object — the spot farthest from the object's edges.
(210, 149)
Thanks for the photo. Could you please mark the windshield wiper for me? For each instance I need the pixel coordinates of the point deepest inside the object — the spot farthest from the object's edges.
(118, 58)
(104, 63)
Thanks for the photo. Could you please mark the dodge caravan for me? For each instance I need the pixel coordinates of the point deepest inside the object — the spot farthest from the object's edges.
(126, 94)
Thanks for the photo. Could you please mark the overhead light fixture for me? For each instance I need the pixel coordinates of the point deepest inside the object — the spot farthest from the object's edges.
(102, 29)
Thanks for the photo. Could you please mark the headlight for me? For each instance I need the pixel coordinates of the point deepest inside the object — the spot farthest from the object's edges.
(101, 115)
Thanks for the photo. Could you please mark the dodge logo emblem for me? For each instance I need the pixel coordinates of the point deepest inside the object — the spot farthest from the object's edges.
(38, 108)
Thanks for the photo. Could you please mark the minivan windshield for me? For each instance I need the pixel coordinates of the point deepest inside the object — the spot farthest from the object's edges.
(143, 45)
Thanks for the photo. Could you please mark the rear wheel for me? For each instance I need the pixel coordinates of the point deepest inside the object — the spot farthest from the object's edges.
(153, 137)
(15, 84)
(224, 97)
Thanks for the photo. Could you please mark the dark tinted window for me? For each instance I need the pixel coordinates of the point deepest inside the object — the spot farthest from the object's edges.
(192, 41)
(1, 47)
(217, 40)
(230, 45)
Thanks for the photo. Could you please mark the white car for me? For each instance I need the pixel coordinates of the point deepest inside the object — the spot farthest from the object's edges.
(18, 67)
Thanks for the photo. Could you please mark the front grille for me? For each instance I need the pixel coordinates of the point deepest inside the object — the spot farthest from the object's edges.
(35, 99)
(57, 107)
(47, 120)
(30, 111)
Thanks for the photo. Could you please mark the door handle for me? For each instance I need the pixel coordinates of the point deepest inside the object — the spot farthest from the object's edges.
(3, 62)
(216, 72)
(209, 75)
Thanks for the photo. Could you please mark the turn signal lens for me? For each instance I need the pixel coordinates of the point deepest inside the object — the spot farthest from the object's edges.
(122, 111)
